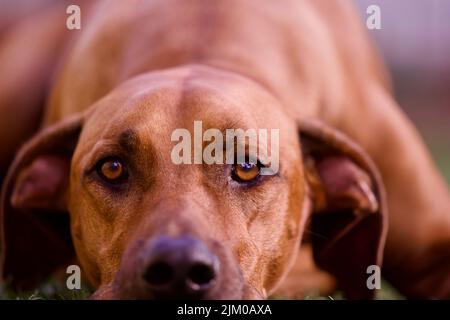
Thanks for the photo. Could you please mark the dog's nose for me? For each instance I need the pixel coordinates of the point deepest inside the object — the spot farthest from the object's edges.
(181, 267)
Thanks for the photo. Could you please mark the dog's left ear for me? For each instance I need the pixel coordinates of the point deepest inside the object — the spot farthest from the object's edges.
(349, 211)
(34, 222)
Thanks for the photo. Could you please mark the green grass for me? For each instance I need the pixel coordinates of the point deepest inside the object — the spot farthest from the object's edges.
(387, 292)
(441, 155)
(49, 290)
(54, 290)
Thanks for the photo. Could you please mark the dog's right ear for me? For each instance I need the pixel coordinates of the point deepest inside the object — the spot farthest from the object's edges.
(34, 222)
(349, 206)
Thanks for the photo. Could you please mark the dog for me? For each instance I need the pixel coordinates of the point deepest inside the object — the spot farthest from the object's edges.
(95, 184)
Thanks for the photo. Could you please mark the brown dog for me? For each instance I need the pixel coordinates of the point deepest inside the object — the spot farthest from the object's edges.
(144, 227)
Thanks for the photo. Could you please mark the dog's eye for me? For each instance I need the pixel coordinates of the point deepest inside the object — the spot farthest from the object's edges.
(245, 172)
(111, 170)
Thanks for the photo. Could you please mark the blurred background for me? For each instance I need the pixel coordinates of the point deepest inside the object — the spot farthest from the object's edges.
(414, 40)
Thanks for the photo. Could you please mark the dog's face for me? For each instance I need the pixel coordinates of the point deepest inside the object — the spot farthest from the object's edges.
(146, 227)
(131, 206)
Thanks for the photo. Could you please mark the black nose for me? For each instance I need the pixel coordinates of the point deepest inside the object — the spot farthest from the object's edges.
(181, 267)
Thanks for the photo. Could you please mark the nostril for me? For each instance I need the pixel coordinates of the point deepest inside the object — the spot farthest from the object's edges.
(159, 274)
(200, 275)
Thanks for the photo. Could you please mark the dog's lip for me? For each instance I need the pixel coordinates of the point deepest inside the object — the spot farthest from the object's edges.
(190, 285)
(195, 287)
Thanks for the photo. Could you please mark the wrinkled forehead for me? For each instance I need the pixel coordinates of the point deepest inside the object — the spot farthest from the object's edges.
(148, 109)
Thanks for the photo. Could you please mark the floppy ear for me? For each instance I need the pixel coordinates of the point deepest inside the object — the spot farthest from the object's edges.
(34, 222)
(349, 223)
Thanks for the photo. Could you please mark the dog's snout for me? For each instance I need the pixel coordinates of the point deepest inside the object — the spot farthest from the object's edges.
(181, 267)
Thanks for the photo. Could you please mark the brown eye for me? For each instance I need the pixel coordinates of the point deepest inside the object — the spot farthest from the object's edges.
(111, 170)
(245, 172)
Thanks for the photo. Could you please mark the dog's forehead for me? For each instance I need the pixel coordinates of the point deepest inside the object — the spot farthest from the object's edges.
(149, 109)
(141, 117)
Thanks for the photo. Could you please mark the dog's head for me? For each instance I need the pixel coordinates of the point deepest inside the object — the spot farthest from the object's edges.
(103, 186)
